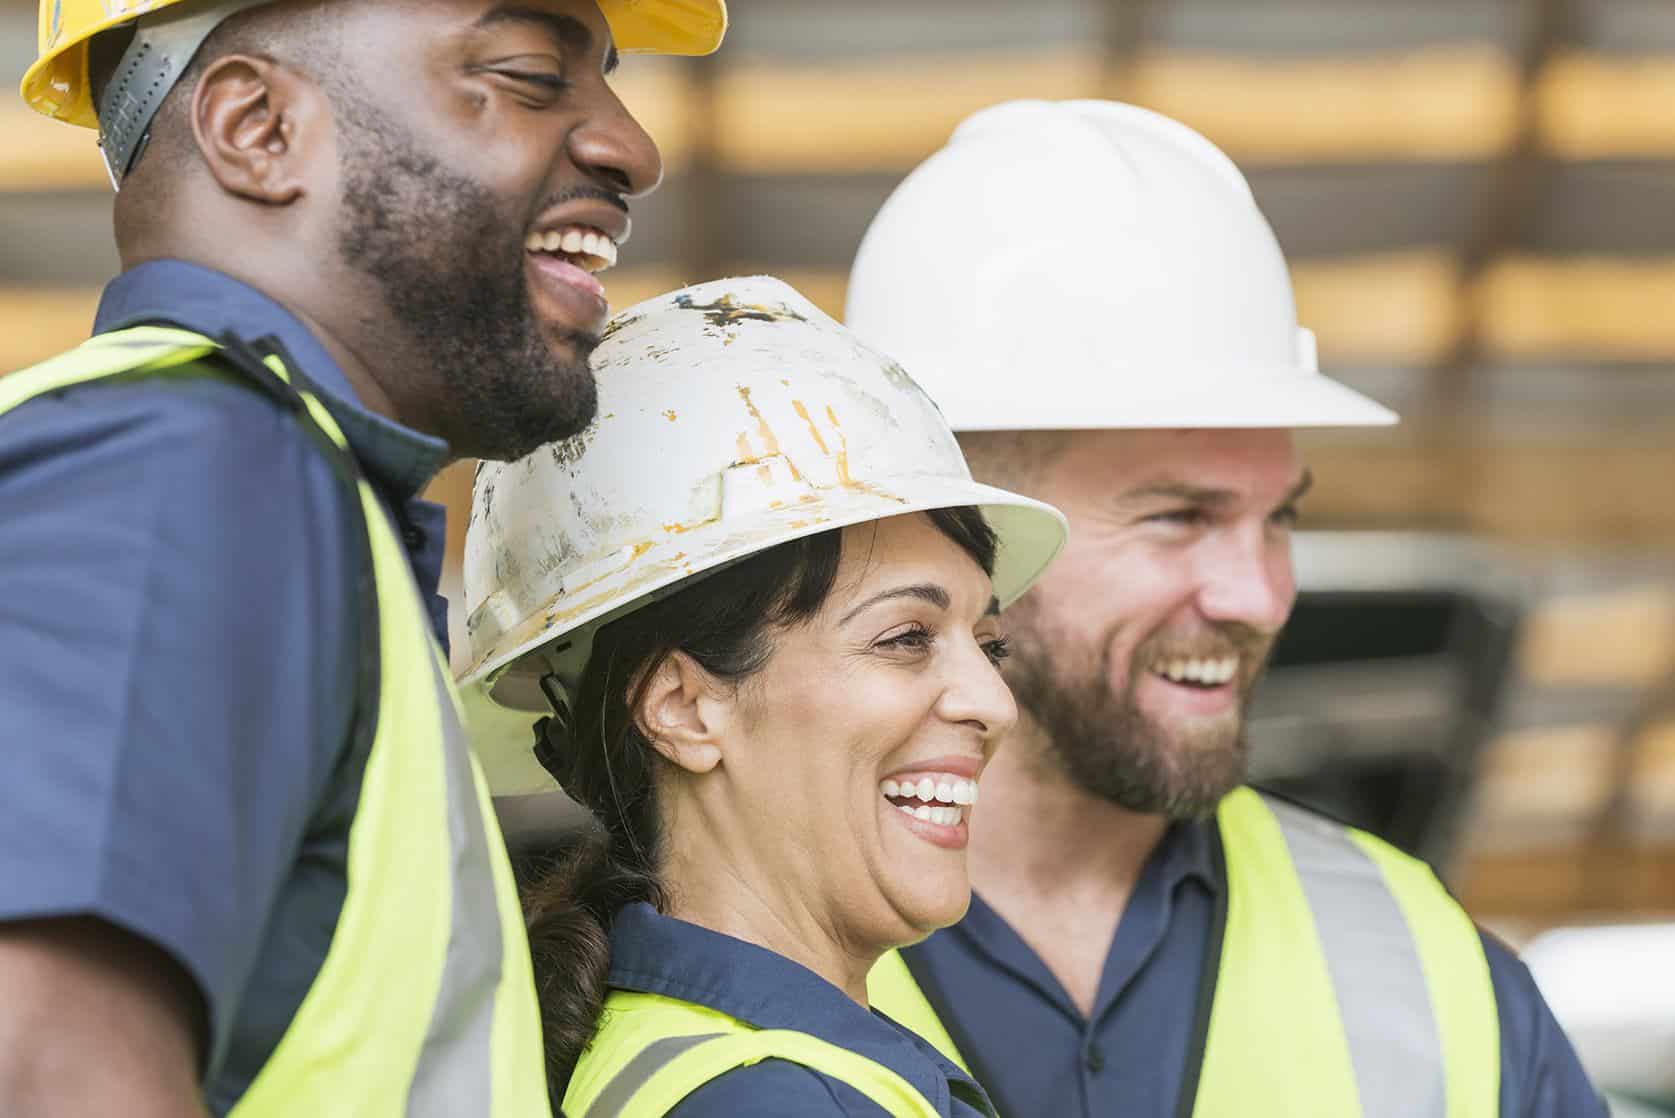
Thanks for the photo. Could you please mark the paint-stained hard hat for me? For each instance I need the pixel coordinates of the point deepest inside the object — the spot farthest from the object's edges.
(733, 416)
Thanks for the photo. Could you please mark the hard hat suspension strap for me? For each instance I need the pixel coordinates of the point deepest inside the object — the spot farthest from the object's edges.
(555, 743)
(163, 46)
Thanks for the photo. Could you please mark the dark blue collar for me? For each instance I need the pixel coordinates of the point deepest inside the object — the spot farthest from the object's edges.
(1185, 854)
(656, 954)
(1188, 852)
(401, 460)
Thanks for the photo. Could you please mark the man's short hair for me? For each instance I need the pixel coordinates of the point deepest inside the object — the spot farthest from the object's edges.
(1012, 459)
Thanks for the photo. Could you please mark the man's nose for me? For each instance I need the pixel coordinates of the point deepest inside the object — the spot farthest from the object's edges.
(611, 148)
(1248, 579)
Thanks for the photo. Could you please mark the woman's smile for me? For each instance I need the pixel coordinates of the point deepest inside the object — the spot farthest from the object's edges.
(934, 799)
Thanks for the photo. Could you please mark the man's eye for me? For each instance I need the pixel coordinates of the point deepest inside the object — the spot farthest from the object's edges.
(997, 650)
(1185, 518)
(549, 82)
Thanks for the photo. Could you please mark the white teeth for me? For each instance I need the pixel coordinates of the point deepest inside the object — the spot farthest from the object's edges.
(949, 815)
(1209, 672)
(945, 796)
(597, 250)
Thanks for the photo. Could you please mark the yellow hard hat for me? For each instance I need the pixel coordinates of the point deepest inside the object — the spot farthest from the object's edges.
(57, 83)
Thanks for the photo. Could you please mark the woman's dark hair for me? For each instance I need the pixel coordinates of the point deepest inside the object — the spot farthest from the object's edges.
(725, 622)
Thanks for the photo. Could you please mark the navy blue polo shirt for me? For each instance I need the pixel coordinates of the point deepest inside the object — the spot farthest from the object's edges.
(179, 644)
(1035, 1052)
(656, 954)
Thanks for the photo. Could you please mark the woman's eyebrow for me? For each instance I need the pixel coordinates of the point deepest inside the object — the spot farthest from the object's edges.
(925, 591)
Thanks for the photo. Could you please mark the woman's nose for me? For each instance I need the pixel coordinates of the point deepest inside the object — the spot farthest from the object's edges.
(976, 694)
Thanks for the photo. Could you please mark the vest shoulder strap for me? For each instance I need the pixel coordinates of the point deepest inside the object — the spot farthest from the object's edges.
(892, 989)
(139, 349)
(668, 1061)
(149, 351)
(1385, 989)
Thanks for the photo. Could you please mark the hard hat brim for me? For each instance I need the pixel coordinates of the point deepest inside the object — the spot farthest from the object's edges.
(683, 27)
(1168, 399)
(56, 85)
(1030, 534)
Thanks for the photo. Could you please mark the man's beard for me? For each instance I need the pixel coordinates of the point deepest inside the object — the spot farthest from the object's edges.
(1108, 746)
(448, 260)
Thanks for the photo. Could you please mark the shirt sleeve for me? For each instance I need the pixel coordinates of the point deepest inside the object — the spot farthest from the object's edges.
(775, 1089)
(1541, 1076)
(177, 676)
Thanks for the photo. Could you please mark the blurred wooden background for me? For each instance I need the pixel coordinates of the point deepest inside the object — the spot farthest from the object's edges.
(1478, 201)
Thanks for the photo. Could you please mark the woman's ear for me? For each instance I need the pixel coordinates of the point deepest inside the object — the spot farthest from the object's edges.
(682, 715)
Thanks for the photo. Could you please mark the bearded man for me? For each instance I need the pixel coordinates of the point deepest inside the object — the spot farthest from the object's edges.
(247, 863)
(1150, 937)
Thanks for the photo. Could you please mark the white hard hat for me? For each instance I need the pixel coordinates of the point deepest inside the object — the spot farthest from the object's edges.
(1089, 264)
(733, 416)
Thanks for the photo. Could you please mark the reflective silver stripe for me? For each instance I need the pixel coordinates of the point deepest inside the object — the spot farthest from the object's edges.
(650, 1060)
(1376, 974)
(455, 1075)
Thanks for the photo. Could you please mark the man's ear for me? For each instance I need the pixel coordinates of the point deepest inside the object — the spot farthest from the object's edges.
(682, 713)
(259, 127)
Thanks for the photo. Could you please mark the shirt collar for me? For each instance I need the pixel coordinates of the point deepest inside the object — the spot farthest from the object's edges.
(656, 954)
(398, 458)
(1188, 851)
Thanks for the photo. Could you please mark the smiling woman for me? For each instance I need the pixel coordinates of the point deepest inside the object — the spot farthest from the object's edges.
(769, 654)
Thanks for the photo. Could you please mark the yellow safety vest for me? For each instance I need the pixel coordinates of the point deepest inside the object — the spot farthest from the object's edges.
(1350, 982)
(424, 1006)
(652, 1051)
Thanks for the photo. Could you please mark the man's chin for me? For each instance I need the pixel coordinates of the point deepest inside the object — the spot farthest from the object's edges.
(558, 430)
(1181, 771)
(1199, 775)
(508, 435)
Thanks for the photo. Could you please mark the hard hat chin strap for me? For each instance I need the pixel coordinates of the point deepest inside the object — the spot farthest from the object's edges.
(163, 46)
(555, 735)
